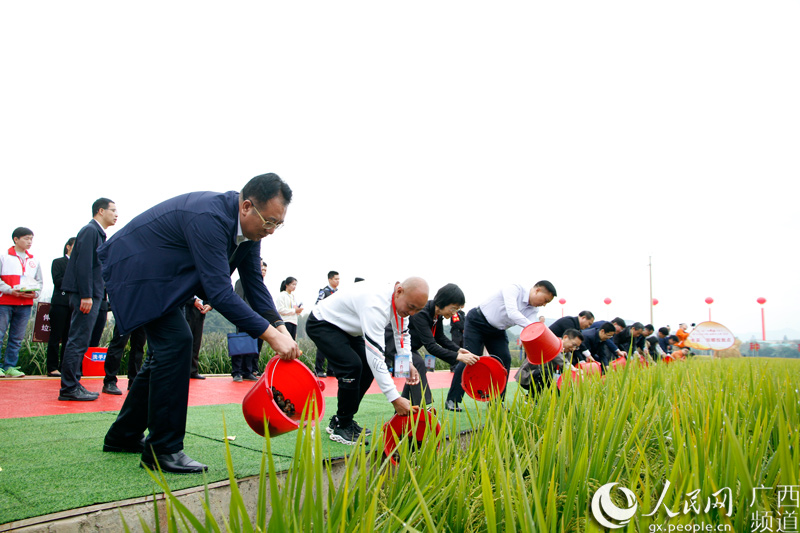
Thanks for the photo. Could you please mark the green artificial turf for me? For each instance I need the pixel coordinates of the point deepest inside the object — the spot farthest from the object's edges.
(55, 463)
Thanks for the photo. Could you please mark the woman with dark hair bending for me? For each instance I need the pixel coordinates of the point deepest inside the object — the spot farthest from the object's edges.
(287, 306)
(427, 330)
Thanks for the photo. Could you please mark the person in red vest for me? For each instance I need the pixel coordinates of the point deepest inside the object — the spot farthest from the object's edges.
(20, 279)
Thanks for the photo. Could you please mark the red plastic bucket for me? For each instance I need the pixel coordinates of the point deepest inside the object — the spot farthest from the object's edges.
(541, 344)
(415, 426)
(584, 370)
(296, 382)
(484, 380)
(567, 377)
(590, 368)
(668, 359)
(94, 362)
(619, 362)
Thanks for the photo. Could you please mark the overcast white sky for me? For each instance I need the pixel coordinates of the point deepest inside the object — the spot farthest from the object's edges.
(476, 143)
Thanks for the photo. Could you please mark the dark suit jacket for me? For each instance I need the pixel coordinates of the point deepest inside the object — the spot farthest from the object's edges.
(183, 247)
(563, 324)
(84, 275)
(58, 269)
(610, 342)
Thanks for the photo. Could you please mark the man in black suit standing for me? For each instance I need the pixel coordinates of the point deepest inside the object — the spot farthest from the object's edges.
(324, 292)
(59, 313)
(195, 310)
(83, 281)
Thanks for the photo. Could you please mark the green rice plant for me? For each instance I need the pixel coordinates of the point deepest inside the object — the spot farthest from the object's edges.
(534, 463)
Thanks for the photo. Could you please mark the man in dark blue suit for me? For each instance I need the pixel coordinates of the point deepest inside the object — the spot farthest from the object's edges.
(83, 282)
(188, 245)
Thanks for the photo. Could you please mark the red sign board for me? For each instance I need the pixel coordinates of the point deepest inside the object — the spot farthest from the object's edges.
(41, 326)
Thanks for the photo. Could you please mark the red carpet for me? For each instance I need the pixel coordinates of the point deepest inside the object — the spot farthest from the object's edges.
(38, 396)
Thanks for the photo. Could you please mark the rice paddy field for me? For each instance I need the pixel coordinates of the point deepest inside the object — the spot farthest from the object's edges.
(705, 445)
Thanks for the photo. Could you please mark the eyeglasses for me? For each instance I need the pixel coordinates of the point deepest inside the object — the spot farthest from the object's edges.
(267, 225)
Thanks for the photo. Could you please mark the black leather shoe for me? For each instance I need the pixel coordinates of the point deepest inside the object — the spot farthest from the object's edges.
(197, 376)
(111, 388)
(322, 375)
(249, 377)
(113, 445)
(177, 463)
(450, 405)
(77, 395)
(87, 391)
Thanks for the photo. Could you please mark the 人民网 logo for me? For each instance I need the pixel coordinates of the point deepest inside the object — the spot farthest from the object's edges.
(603, 508)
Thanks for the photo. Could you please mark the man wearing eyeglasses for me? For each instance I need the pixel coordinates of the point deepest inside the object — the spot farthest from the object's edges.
(188, 245)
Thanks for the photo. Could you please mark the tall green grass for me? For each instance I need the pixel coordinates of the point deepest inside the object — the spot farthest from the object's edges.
(535, 463)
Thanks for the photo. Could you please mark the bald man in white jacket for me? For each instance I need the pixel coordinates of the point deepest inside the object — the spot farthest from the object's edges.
(348, 326)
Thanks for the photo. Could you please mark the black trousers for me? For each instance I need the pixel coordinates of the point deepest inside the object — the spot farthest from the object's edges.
(159, 398)
(80, 335)
(479, 334)
(59, 333)
(415, 392)
(116, 349)
(100, 324)
(196, 320)
(347, 357)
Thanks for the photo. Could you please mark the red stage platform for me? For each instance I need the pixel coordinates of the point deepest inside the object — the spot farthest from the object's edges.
(38, 396)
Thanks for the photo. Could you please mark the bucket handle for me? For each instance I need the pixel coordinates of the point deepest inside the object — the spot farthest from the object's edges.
(320, 384)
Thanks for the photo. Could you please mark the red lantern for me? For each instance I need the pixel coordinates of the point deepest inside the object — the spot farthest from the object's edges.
(562, 301)
(709, 300)
(607, 301)
(655, 301)
(762, 300)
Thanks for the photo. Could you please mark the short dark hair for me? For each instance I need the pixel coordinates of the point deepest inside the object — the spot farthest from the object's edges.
(265, 187)
(650, 327)
(263, 263)
(70, 242)
(637, 325)
(587, 314)
(608, 327)
(357, 280)
(21, 232)
(547, 285)
(100, 203)
(449, 294)
(287, 281)
(664, 331)
(618, 321)
(332, 273)
(673, 338)
(573, 333)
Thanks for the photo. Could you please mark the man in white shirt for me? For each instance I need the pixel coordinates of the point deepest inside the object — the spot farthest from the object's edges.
(349, 327)
(486, 327)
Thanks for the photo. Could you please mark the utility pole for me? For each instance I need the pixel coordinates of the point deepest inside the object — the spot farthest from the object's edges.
(650, 266)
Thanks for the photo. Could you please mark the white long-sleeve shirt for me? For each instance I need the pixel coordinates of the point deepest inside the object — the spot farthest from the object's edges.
(509, 307)
(285, 305)
(363, 310)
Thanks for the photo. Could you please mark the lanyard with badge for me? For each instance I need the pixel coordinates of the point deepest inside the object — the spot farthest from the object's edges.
(430, 360)
(402, 359)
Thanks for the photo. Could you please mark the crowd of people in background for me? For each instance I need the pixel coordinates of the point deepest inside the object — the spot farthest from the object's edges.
(367, 332)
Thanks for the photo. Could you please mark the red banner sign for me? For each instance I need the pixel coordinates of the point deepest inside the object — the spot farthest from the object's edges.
(41, 326)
